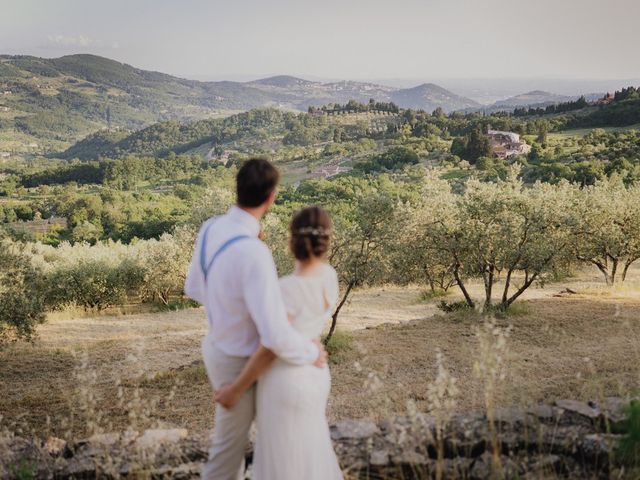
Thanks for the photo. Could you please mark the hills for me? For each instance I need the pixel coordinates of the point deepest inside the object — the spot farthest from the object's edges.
(536, 97)
(47, 105)
(58, 101)
(429, 97)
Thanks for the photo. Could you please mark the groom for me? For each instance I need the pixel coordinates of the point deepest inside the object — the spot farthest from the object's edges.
(233, 275)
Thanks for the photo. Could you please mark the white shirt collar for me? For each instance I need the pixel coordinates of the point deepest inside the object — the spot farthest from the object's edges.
(245, 219)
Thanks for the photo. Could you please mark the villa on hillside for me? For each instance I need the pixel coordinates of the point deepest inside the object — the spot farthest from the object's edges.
(507, 144)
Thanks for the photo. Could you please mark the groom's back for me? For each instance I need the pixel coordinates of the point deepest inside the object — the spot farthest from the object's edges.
(227, 252)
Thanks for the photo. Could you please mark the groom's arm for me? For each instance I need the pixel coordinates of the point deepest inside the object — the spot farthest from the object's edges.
(264, 301)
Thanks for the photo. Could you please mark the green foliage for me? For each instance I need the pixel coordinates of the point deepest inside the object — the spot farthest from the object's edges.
(629, 448)
(172, 136)
(164, 263)
(451, 307)
(609, 214)
(395, 158)
(473, 146)
(21, 293)
(428, 295)
(338, 346)
(23, 471)
(92, 284)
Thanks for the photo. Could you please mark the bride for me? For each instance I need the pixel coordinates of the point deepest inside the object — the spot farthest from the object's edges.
(293, 439)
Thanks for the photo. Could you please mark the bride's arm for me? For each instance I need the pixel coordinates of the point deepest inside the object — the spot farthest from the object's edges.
(260, 361)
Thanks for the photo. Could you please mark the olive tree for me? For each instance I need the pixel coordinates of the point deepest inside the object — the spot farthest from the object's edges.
(91, 276)
(500, 229)
(362, 231)
(21, 293)
(609, 238)
(164, 263)
(419, 252)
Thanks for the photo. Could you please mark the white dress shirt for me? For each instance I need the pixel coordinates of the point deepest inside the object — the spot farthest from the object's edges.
(241, 294)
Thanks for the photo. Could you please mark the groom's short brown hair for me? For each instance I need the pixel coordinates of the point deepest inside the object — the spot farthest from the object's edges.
(256, 180)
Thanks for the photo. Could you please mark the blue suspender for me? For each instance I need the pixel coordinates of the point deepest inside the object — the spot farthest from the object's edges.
(206, 267)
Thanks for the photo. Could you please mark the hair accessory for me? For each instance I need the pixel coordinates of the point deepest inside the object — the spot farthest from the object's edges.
(314, 231)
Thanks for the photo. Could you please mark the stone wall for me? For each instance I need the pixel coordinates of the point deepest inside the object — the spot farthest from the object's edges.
(568, 439)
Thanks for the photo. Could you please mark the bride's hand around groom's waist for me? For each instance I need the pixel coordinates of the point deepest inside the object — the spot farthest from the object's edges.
(321, 361)
(227, 396)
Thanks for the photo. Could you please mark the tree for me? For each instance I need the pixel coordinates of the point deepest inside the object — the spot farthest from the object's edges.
(542, 128)
(358, 249)
(87, 232)
(21, 293)
(164, 263)
(415, 256)
(472, 146)
(478, 145)
(500, 228)
(609, 238)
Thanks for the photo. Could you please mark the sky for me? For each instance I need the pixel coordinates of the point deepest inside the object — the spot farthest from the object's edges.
(337, 39)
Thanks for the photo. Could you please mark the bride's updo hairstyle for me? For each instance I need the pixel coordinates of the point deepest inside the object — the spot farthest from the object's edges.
(310, 233)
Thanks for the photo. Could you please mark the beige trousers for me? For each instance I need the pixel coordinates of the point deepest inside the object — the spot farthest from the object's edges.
(230, 434)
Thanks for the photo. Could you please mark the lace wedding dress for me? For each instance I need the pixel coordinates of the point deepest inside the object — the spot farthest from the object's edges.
(293, 441)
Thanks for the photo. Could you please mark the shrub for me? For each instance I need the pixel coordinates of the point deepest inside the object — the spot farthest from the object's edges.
(21, 293)
(92, 283)
(457, 306)
(338, 346)
(629, 449)
(164, 263)
(428, 295)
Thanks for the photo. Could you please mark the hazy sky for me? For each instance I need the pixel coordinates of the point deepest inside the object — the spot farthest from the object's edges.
(355, 39)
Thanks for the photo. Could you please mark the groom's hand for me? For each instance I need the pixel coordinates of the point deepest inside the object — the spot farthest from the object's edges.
(321, 361)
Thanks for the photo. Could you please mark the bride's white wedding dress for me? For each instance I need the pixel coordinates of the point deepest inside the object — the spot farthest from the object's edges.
(293, 441)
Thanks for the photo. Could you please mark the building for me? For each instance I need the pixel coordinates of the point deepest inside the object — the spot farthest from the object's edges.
(507, 144)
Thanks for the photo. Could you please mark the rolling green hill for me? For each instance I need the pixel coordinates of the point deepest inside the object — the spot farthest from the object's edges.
(46, 104)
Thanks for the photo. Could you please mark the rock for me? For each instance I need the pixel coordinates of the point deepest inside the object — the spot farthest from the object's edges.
(512, 417)
(184, 471)
(544, 413)
(613, 409)
(562, 441)
(410, 457)
(103, 439)
(598, 447)
(574, 407)
(354, 429)
(54, 446)
(547, 464)
(156, 437)
(481, 468)
(379, 457)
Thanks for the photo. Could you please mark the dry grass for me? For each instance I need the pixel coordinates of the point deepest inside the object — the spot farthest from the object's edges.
(561, 348)
(580, 346)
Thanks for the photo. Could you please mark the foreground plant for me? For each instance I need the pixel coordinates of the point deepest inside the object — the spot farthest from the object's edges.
(490, 369)
(442, 396)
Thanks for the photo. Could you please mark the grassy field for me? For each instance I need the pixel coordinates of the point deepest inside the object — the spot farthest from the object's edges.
(581, 132)
(110, 372)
